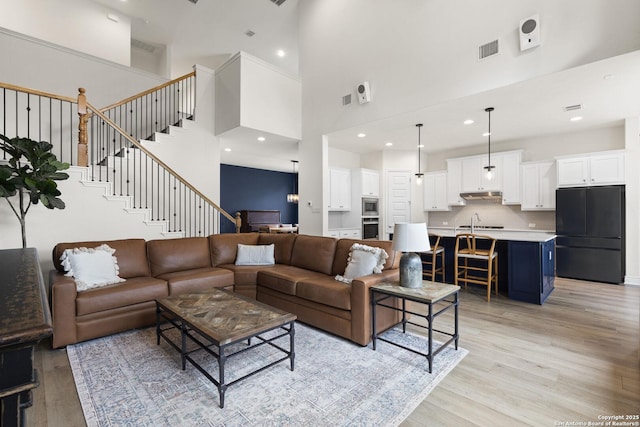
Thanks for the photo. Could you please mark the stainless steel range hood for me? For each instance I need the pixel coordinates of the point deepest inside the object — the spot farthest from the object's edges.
(496, 196)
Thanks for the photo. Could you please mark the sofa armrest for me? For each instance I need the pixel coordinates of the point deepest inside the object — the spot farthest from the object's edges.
(361, 306)
(63, 310)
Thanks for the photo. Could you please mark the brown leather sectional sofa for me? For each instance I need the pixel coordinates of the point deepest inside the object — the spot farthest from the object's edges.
(301, 282)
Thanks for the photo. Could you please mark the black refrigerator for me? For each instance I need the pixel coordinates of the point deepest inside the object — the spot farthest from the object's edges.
(590, 229)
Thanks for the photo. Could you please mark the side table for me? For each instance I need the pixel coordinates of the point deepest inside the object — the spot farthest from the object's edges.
(429, 294)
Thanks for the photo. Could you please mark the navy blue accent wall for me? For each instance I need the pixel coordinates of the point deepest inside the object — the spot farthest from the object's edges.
(256, 189)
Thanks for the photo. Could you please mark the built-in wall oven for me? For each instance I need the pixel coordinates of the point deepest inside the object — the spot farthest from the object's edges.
(370, 206)
(370, 228)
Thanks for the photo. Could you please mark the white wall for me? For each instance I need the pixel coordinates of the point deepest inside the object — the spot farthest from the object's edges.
(632, 192)
(256, 95)
(416, 54)
(270, 98)
(76, 24)
(65, 70)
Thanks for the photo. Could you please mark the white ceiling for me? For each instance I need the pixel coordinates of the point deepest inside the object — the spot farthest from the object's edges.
(211, 30)
(608, 90)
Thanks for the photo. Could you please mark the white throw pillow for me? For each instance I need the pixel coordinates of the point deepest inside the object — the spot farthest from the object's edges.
(255, 255)
(91, 267)
(363, 260)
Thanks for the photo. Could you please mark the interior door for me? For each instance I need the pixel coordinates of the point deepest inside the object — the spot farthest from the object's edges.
(398, 198)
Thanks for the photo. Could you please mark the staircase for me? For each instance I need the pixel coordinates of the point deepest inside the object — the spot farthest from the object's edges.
(126, 144)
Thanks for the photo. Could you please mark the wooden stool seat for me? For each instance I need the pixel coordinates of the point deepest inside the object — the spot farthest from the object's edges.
(477, 265)
(430, 265)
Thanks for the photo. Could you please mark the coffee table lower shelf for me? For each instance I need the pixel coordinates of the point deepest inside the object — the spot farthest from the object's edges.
(167, 319)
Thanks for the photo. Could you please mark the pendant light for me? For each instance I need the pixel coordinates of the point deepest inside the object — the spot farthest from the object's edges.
(489, 166)
(293, 197)
(419, 175)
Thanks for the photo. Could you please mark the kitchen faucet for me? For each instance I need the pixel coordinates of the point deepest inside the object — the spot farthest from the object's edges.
(476, 216)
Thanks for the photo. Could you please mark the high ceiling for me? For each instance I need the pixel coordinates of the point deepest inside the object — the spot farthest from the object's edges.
(209, 31)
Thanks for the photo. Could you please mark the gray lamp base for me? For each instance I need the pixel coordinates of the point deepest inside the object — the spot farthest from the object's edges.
(411, 270)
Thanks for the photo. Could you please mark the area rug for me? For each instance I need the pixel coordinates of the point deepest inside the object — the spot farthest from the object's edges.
(127, 379)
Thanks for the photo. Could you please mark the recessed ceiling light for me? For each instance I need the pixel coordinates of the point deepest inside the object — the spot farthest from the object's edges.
(281, 53)
(227, 149)
(389, 144)
(576, 118)
(261, 138)
(421, 146)
(468, 122)
(486, 134)
(362, 135)
(609, 76)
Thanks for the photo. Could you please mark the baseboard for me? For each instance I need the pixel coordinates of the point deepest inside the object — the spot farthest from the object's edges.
(632, 280)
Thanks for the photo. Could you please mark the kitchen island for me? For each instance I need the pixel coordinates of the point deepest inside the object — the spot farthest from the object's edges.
(526, 260)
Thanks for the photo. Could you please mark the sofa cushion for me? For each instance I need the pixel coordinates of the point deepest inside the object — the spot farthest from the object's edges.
(343, 248)
(224, 247)
(198, 279)
(170, 255)
(255, 255)
(133, 291)
(325, 290)
(363, 261)
(283, 278)
(91, 267)
(131, 255)
(283, 245)
(245, 274)
(314, 253)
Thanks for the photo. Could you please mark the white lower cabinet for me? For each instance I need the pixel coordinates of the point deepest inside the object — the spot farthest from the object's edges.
(538, 186)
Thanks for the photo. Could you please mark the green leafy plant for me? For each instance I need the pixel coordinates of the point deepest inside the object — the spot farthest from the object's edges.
(31, 172)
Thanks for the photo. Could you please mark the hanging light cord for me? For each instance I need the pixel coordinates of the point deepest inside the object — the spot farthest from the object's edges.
(419, 174)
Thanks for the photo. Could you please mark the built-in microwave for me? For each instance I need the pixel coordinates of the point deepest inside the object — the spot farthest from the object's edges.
(369, 206)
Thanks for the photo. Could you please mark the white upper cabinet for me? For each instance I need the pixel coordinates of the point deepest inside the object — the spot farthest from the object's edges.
(435, 191)
(511, 177)
(454, 183)
(591, 169)
(370, 183)
(339, 189)
(474, 176)
(538, 186)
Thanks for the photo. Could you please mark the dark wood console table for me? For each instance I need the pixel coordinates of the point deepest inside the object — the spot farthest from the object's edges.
(25, 319)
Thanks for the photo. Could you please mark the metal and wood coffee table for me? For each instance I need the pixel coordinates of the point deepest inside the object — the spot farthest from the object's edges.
(216, 319)
(429, 294)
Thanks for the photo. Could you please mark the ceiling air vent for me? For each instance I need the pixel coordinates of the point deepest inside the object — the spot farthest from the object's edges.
(278, 2)
(488, 49)
(573, 107)
(346, 100)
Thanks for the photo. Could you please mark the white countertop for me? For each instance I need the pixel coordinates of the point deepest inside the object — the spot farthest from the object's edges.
(521, 235)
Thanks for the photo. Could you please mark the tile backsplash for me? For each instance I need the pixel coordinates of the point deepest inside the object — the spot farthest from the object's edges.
(491, 213)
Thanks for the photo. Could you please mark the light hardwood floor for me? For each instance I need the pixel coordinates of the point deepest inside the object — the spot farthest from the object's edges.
(573, 359)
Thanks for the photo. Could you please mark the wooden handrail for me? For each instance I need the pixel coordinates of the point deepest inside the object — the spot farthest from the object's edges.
(37, 92)
(147, 92)
(235, 220)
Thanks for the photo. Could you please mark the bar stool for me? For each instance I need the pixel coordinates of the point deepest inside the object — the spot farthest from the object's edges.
(430, 265)
(476, 261)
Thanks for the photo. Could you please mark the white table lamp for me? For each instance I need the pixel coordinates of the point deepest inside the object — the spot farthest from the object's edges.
(410, 238)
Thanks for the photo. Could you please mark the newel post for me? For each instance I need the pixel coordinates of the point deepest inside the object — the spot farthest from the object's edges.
(238, 222)
(83, 159)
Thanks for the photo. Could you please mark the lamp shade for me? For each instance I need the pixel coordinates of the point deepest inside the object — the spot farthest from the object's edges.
(411, 237)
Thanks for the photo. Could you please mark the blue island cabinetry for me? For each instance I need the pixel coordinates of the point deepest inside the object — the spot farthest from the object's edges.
(531, 270)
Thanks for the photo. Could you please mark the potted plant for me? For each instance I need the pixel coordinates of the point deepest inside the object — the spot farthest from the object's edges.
(30, 172)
